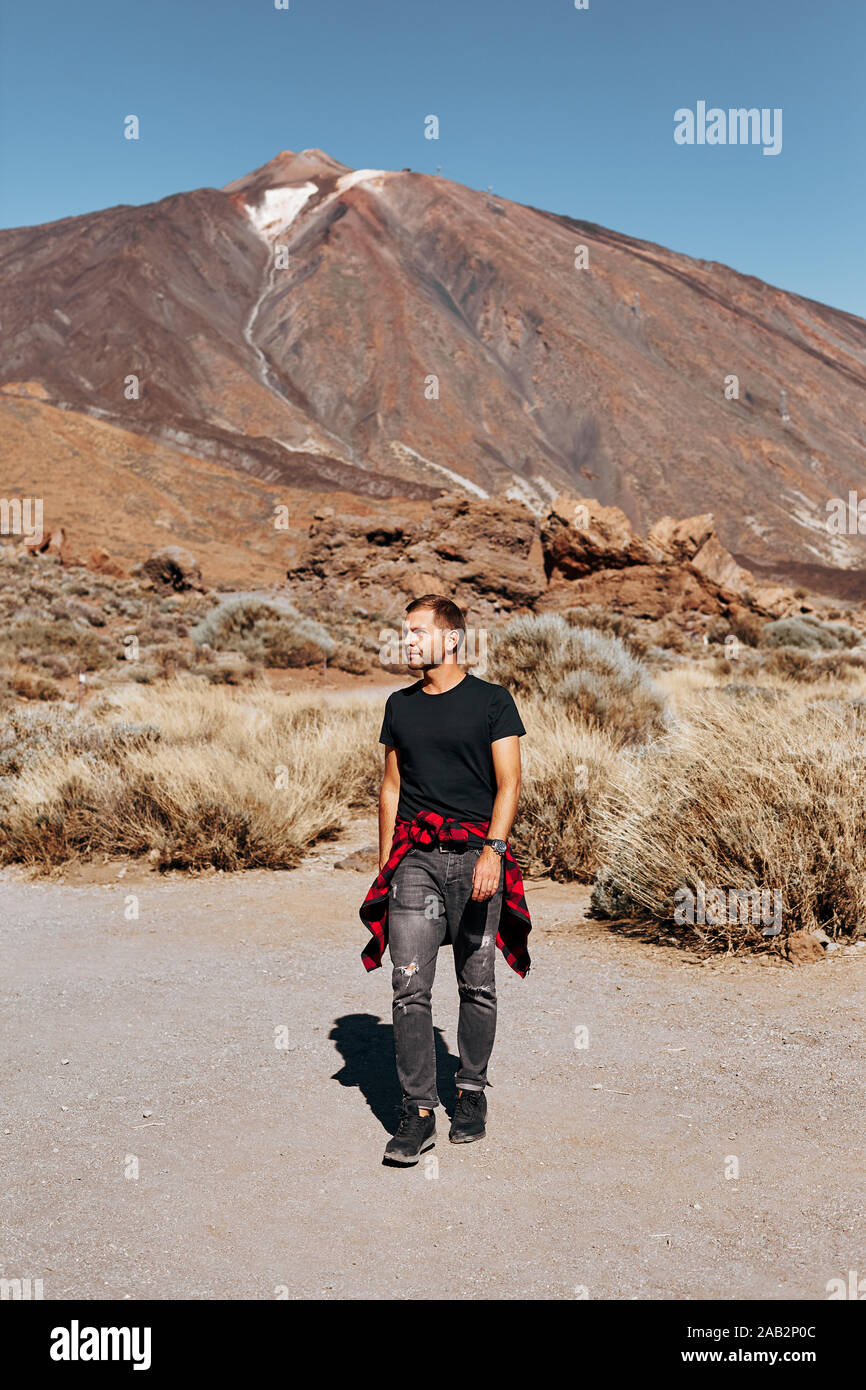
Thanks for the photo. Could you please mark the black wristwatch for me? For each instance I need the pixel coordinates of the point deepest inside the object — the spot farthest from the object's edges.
(499, 845)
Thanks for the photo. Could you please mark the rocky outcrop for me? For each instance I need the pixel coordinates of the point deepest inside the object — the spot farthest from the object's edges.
(778, 600)
(49, 543)
(496, 558)
(680, 541)
(579, 536)
(642, 591)
(101, 560)
(486, 554)
(592, 555)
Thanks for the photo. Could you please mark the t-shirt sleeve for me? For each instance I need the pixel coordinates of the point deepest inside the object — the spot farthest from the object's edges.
(502, 715)
(387, 734)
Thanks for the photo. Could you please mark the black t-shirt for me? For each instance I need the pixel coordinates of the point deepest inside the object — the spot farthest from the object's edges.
(443, 746)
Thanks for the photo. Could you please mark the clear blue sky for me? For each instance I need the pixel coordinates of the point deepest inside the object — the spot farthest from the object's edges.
(569, 110)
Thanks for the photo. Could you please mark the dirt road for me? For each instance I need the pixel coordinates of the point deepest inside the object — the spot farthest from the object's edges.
(161, 1137)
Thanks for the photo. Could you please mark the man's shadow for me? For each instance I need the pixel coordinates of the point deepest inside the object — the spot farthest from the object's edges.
(366, 1045)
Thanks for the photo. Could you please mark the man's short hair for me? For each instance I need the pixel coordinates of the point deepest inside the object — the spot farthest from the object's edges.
(446, 612)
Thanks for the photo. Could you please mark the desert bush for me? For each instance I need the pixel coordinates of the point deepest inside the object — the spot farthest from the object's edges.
(32, 685)
(349, 656)
(566, 766)
(91, 651)
(80, 611)
(171, 659)
(847, 665)
(809, 634)
(56, 665)
(741, 690)
(235, 671)
(266, 630)
(608, 620)
(192, 774)
(746, 627)
(141, 672)
(791, 663)
(794, 664)
(31, 735)
(588, 672)
(773, 802)
(669, 636)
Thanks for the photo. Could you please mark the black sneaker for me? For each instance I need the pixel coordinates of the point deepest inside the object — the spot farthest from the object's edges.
(415, 1134)
(470, 1114)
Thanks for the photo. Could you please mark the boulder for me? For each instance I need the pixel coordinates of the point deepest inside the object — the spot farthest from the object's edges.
(717, 564)
(101, 561)
(366, 860)
(804, 948)
(778, 600)
(49, 543)
(173, 569)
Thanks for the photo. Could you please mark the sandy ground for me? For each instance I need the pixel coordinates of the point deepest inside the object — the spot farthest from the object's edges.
(156, 1142)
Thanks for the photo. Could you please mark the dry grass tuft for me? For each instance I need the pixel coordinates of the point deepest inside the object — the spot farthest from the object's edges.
(772, 801)
(191, 774)
(589, 673)
(566, 767)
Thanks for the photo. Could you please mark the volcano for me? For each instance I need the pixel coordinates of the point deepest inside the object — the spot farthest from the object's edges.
(388, 335)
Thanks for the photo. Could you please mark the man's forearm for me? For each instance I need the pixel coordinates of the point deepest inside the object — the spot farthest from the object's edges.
(388, 799)
(504, 810)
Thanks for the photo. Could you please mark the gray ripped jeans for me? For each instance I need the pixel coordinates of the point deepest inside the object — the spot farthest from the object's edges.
(430, 901)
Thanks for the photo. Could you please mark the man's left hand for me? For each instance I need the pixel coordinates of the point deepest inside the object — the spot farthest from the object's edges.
(485, 879)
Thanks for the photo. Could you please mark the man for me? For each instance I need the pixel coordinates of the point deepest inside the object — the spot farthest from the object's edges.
(447, 803)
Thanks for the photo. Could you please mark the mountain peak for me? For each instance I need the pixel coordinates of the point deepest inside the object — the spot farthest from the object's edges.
(288, 167)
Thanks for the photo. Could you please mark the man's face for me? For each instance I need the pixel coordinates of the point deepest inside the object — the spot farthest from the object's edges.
(424, 643)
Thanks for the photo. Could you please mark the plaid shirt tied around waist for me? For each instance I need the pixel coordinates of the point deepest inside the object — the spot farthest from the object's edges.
(428, 828)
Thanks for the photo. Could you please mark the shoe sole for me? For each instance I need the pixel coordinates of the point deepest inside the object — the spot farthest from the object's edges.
(407, 1159)
(466, 1138)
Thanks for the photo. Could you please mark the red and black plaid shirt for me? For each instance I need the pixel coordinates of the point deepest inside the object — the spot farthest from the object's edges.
(427, 828)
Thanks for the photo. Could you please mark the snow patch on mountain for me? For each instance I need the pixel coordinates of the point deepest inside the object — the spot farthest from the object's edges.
(521, 490)
(279, 207)
(358, 176)
(403, 451)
